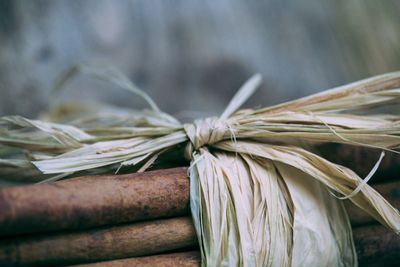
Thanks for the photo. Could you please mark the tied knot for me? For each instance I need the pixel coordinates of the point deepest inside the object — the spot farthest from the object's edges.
(204, 132)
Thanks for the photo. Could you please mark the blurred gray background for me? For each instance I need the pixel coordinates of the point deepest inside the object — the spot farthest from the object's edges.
(192, 55)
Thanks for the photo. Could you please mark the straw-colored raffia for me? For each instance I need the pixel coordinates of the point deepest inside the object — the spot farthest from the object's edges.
(258, 196)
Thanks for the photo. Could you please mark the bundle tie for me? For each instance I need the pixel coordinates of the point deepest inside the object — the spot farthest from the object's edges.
(204, 132)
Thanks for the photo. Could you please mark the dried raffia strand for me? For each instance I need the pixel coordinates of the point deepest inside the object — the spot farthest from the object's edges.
(257, 196)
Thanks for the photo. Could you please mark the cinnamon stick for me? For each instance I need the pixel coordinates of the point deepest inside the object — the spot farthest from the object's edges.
(138, 239)
(93, 201)
(86, 202)
(181, 259)
(373, 244)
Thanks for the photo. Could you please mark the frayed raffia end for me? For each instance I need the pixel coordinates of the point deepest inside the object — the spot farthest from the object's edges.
(256, 199)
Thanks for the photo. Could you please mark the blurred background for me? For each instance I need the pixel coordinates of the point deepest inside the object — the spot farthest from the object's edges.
(192, 55)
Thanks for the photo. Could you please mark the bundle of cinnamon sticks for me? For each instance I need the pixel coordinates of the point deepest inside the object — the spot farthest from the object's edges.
(143, 219)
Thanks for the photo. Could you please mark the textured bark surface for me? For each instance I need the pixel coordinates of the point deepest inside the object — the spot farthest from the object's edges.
(102, 200)
(374, 244)
(181, 259)
(92, 201)
(138, 239)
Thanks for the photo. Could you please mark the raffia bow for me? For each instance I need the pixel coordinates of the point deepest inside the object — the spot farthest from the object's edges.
(258, 196)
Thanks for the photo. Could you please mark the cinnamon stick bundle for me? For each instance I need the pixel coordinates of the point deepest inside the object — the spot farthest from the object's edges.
(90, 201)
(249, 167)
(376, 246)
(180, 259)
(111, 199)
(146, 238)
(149, 238)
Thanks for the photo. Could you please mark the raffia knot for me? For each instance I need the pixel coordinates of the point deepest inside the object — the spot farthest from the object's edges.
(204, 132)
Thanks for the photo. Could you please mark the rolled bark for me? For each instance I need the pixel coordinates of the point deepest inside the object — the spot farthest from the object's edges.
(373, 243)
(138, 239)
(375, 246)
(86, 202)
(92, 201)
(181, 259)
(390, 191)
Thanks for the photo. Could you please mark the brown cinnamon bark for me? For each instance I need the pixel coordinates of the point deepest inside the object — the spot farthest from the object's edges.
(374, 244)
(93, 201)
(138, 239)
(181, 259)
(86, 202)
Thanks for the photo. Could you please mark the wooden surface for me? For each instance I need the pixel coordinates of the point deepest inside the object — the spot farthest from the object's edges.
(147, 238)
(93, 201)
(373, 243)
(103, 200)
(181, 259)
